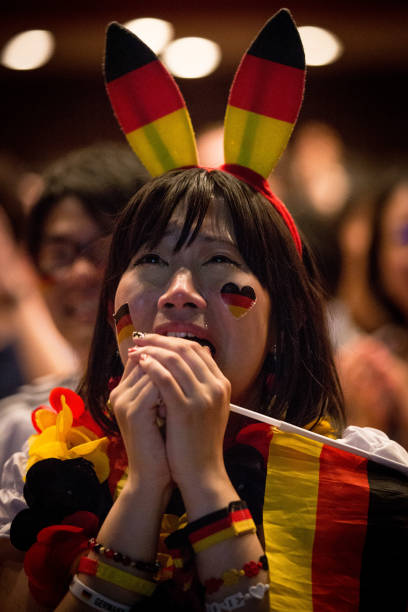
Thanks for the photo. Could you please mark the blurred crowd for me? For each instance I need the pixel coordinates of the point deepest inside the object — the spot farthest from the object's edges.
(54, 237)
(355, 216)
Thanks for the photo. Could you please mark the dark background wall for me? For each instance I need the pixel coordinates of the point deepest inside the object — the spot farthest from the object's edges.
(63, 104)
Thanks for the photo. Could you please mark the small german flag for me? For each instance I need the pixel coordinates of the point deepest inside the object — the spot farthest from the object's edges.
(265, 97)
(147, 103)
(336, 529)
(124, 325)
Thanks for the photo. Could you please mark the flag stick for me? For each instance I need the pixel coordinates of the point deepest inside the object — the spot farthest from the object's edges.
(288, 427)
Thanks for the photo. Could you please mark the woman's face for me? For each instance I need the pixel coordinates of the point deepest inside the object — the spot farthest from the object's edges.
(393, 256)
(198, 292)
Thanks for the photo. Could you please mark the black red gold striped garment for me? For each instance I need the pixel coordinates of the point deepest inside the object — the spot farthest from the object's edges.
(336, 529)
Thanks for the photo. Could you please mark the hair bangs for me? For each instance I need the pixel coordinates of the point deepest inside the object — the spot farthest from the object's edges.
(149, 213)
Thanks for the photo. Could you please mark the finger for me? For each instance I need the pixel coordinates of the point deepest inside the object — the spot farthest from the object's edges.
(131, 371)
(174, 343)
(140, 401)
(184, 364)
(163, 379)
(124, 395)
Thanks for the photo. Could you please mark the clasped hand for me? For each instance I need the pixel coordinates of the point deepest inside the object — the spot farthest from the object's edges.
(182, 377)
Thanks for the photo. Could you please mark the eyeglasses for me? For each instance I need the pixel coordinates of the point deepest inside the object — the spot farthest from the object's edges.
(58, 254)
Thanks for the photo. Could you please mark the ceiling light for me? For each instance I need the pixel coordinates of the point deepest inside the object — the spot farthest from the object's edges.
(155, 33)
(192, 57)
(321, 46)
(28, 50)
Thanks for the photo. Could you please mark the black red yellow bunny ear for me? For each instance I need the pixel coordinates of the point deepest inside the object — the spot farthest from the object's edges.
(147, 103)
(265, 97)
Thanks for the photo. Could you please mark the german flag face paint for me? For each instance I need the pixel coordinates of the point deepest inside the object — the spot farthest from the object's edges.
(239, 301)
(124, 325)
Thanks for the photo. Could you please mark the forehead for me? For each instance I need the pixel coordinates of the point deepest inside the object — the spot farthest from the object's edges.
(69, 217)
(217, 223)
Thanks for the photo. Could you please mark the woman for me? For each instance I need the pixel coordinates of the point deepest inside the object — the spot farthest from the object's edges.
(209, 297)
(202, 230)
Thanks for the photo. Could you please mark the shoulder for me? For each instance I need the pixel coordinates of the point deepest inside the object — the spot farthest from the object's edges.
(29, 396)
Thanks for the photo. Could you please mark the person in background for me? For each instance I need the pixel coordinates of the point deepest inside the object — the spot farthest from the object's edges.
(373, 364)
(67, 236)
(25, 321)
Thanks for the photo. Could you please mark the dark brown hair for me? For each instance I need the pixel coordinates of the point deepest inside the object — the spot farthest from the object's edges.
(305, 384)
(103, 177)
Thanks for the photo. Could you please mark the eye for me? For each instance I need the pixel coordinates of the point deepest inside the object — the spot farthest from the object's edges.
(222, 259)
(150, 258)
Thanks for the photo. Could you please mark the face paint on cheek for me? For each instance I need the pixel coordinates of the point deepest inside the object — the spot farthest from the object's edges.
(124, 325)
(238, 301)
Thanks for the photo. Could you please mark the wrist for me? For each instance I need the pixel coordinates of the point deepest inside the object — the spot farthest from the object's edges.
(208, 495)
(156, 493)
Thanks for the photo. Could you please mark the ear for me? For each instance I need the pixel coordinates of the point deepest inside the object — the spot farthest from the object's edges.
(265, 97)
(147, 103)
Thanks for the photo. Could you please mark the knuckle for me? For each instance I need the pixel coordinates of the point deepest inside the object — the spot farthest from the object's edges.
(185, 347)
(202, 349)
(172, 360)
(113, 396)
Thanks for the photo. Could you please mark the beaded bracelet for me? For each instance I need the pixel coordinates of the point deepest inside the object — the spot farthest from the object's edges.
(143, 566)
(93, 599)
(234, 520)
(111, 574)
(238, 600)
(232, 576)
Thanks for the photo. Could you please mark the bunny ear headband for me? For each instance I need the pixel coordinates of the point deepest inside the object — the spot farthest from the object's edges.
(263, 106)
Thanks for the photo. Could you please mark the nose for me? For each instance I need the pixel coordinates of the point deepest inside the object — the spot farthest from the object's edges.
(181, 292)
(83, 270)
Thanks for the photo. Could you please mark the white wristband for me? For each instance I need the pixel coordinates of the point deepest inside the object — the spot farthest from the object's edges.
(238, 600)
(94, 599)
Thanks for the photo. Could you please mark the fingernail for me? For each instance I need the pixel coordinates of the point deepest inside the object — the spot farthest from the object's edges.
(144, 357)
